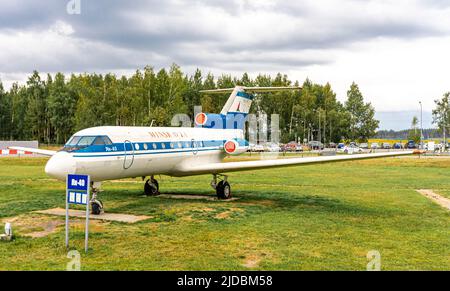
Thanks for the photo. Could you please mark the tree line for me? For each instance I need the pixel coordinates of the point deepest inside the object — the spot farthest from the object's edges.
(410, 134)
(52, 109)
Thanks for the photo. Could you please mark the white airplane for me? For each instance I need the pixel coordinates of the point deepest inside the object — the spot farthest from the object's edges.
(116, 152)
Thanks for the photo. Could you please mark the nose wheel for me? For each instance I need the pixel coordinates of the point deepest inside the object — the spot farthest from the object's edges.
(96, 207)
(222, 187)
(96, 204)
(151, 187)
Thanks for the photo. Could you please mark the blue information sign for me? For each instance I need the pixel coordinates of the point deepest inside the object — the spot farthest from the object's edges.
(77, 192)
(77, 189)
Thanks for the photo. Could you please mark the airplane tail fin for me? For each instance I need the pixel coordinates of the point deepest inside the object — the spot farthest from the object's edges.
(238, 104)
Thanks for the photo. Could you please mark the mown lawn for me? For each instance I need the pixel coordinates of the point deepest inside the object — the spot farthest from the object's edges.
(318, 217)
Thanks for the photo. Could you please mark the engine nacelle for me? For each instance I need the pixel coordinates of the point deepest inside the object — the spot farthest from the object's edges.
(231, 147)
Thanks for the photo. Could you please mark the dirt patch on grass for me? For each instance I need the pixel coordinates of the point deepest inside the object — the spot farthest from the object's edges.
(34, 226)
(202, 213)
(444, 202)
(252, 261)
(194, 197)
(37, 226)
(259, 203)
(228, 213)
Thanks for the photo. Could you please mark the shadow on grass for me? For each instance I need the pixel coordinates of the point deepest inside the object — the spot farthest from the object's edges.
(253, 203)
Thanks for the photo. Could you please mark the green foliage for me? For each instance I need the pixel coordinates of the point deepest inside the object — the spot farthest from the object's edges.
(441, 114)
(5, 113)
(414, 132)
(362, 124)
(51, 110)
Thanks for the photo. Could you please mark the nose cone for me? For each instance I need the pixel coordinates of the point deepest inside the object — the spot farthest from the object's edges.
(61, 164)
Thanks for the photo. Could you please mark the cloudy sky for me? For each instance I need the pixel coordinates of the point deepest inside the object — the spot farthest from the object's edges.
(397, 51)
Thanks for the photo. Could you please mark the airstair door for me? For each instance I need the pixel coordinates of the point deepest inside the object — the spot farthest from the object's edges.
(128, 155)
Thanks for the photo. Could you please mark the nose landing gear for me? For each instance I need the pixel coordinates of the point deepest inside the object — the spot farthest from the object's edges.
(96, 205)
(151, 187)
(222, 187)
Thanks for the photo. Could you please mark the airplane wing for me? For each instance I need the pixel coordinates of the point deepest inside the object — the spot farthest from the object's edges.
(217, 168)
(34, 150)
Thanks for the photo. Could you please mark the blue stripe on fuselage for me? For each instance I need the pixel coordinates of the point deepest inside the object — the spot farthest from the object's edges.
(138, 148)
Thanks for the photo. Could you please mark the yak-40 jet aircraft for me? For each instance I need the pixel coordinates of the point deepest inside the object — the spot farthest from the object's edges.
(116, 152)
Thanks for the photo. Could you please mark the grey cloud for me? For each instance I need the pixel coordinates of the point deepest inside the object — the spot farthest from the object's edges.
(109, 37)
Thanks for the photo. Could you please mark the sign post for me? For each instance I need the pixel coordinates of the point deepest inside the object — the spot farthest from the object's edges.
(77, 192)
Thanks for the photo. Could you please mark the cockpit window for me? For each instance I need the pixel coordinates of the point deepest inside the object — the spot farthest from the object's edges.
(79, 142)
(73, 141)
(107, 140)
(86, 141)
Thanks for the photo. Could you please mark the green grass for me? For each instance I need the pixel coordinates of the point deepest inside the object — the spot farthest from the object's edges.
(318, 217)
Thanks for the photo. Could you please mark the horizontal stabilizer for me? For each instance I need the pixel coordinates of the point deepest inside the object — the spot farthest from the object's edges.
(251, 89)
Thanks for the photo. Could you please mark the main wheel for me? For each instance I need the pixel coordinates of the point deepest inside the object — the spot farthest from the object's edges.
(96, 207)
(151, 187)
(223, 190)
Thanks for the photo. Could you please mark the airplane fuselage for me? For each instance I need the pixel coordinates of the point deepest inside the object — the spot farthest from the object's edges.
(124, 152)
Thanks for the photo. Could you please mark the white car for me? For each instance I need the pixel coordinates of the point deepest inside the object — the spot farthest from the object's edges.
(272, 147)
(374, 146)
(258, 148)
(351, 149)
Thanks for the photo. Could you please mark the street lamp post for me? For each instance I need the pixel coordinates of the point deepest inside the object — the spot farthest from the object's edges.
(320, 131)
(421, 125)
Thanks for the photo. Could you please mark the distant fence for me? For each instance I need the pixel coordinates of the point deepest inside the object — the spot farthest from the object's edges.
(5, 151)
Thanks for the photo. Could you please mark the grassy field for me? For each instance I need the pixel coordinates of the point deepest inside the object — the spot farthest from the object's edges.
(318, 217)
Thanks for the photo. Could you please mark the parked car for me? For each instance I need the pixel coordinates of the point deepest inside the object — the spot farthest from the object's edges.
(364, 145)
(332, 145)
(258, 148)
(386, 146)
(272, 147)
(397, 146)
(410, 145)
(374, 146)
(350, 149)
(315, 145)
(290, 147)
(341, 145)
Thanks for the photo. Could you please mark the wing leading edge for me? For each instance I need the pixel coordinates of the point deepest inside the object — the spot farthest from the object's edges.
(216, 168)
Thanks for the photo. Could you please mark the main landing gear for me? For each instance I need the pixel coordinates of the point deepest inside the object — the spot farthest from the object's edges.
(96, 205)
(222, 187)
(151, 187)
(218, 183)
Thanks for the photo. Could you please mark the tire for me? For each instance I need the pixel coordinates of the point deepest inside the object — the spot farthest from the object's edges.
(223, 190)
(96, 208)
(151, 188)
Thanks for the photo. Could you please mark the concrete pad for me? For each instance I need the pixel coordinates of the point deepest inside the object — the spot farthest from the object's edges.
(444, 202)
(194, 197)
(127, 218)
